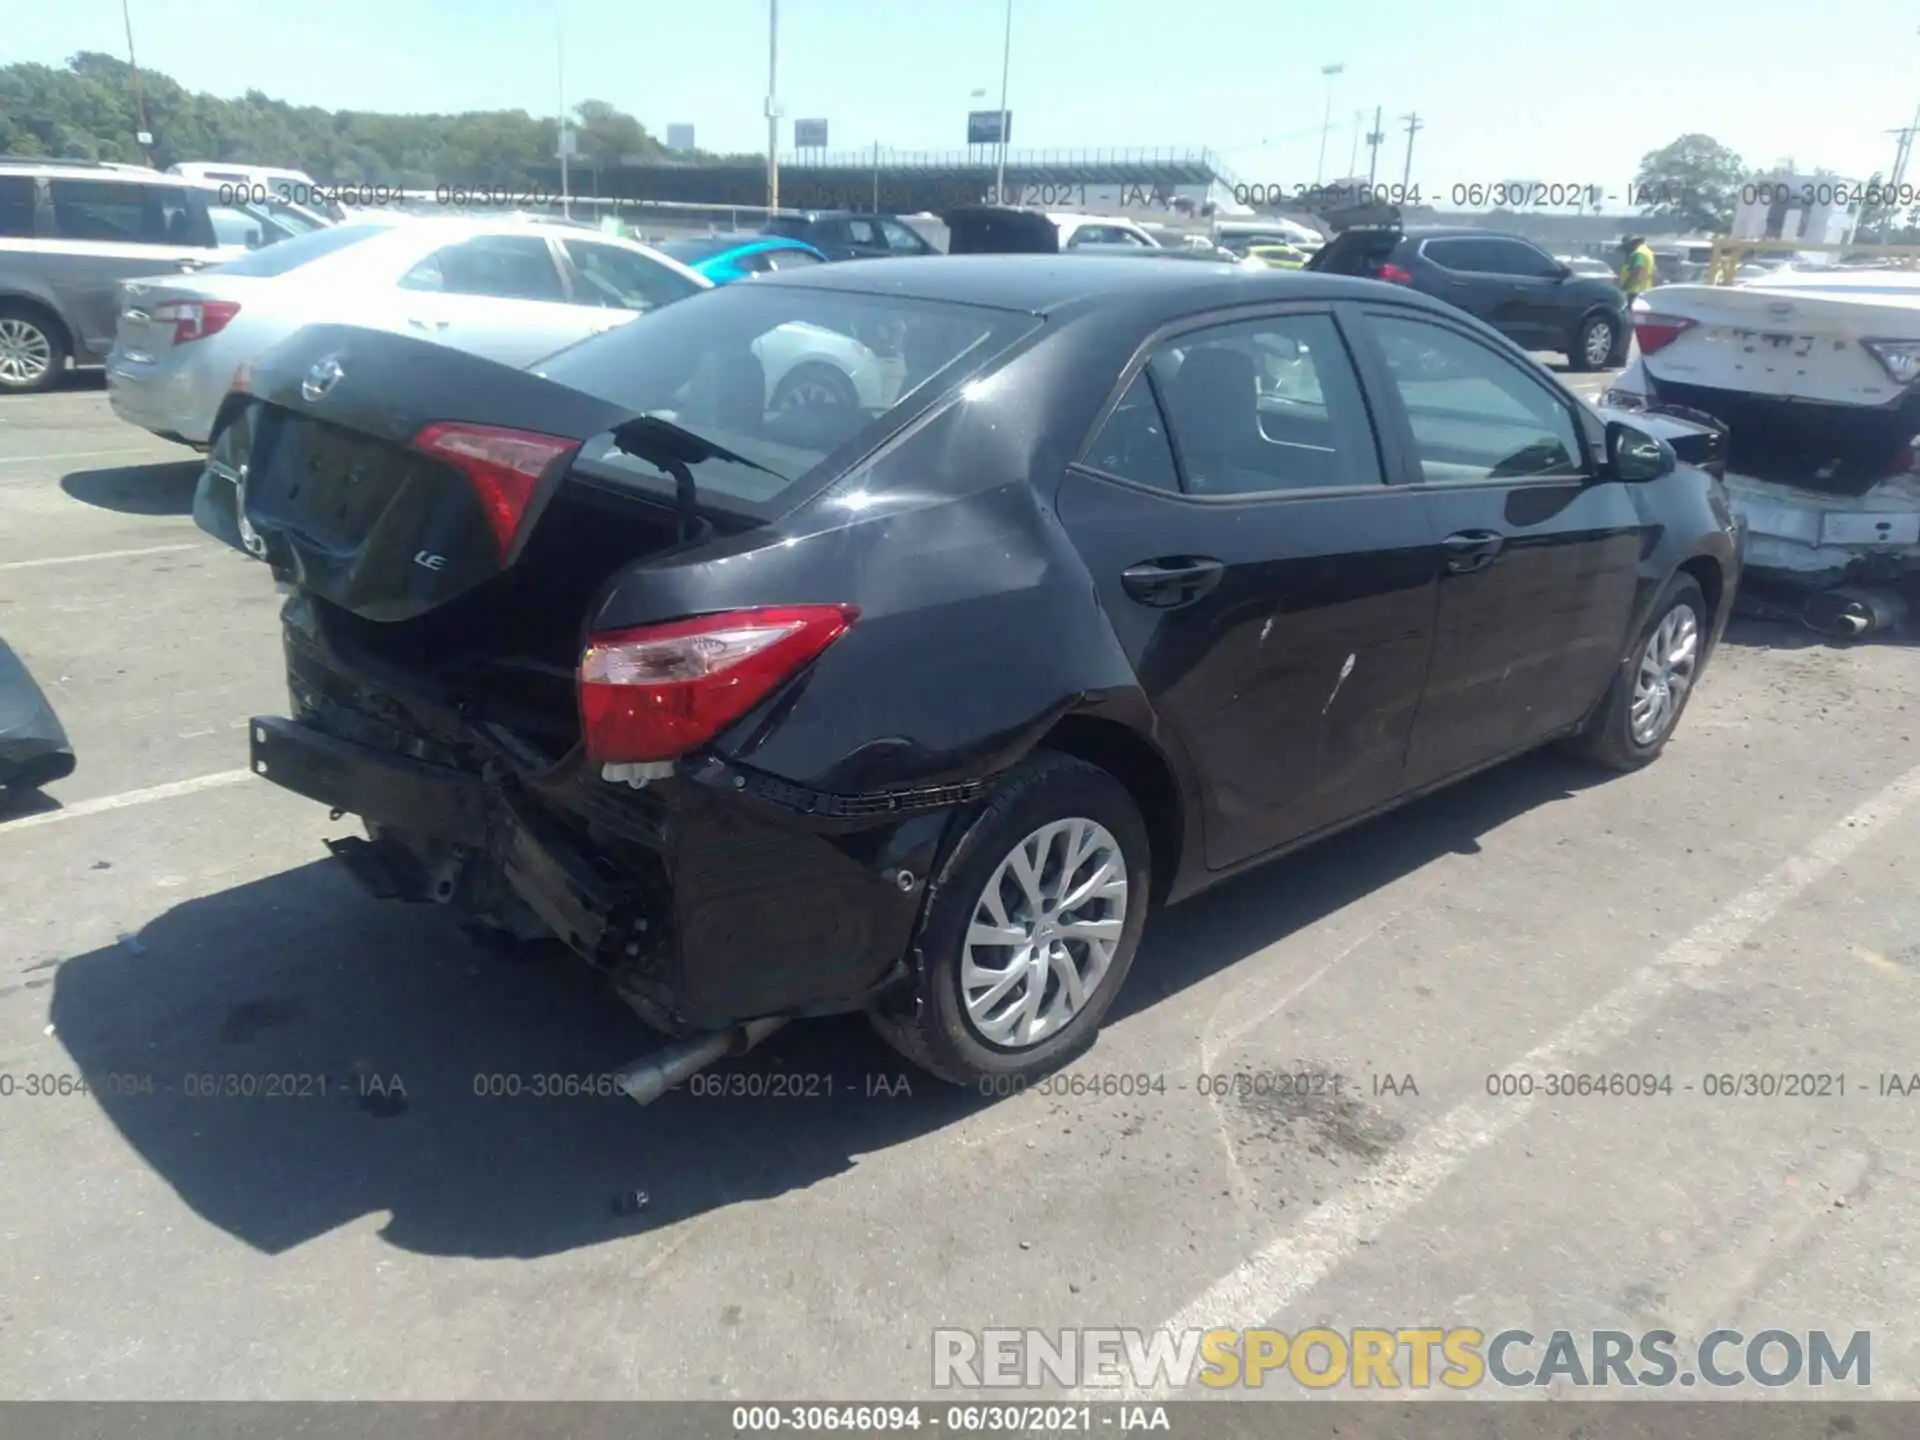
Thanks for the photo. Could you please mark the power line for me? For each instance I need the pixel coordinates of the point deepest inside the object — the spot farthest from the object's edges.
(1414, 126)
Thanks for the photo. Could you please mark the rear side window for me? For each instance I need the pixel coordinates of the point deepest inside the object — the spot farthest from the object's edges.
(1265, 406)
(619, 279)
(862, 232)
(784, 377)
(300, 250)
(121, 214)
(16, 206)
(1455, 254)
(503, 267)
(1133, 443)
(789, 259)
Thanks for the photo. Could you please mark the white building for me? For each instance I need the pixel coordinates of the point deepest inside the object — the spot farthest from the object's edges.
(1818, 210)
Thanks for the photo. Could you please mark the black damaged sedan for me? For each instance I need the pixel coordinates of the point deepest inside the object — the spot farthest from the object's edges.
(1096, 582)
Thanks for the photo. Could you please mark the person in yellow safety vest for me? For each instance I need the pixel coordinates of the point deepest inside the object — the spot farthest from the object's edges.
(1636, 274)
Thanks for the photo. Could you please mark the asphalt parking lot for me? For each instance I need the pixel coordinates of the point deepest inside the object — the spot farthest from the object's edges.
(1744, 906)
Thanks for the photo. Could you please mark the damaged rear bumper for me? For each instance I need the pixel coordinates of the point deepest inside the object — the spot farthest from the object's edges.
(710, 898)
(1812, 538)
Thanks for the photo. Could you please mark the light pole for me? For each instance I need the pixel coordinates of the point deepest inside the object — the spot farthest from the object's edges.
(773, 107)
(560, 95)
(1326, 123)
(1006, 64)
(1353, 155)
(144, 138)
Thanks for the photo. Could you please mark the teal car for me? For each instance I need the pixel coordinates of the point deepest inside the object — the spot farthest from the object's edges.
(726, 258)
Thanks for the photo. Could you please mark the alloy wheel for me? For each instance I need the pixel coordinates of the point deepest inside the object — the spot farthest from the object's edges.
(1044, 933)
(1666, 672)
(1598, 344)
(25, 352)
(806, 392)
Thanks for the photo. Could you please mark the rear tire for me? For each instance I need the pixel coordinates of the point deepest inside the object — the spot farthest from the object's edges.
(1089, 846)
(814, 384)
(1595, 342)
(1633, 722)
(33, 349)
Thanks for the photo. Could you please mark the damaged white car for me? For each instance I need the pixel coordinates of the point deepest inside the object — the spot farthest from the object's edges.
(1814, 374)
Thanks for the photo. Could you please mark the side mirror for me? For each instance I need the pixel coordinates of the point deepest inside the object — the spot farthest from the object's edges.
(1635, 456)
(1563, 272)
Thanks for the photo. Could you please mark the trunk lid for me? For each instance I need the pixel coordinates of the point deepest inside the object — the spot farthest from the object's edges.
(1790, 374)
(138, 335)
(1784, 343)
(1000, 230)
(337, 495)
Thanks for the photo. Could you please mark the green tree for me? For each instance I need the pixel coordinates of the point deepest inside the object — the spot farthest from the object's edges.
(1695, 182)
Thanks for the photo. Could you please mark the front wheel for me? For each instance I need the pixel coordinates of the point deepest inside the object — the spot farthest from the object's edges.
(1643, 706)
(1031, 925)
(1594, 343)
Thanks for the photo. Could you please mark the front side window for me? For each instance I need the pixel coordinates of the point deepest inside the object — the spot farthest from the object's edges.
(117, 213)
(1475, 415)
(505, 267)
(863, 232)
(790, 259)
(1513, 257)
(1266, 405)
(619, 279)
(901, 239)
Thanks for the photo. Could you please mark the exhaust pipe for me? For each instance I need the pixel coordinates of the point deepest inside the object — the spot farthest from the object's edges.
(645, 1081)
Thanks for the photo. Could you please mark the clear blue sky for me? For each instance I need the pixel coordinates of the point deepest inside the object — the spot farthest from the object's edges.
(1509, 89)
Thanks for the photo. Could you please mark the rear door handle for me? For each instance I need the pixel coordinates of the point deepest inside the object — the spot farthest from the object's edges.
(1172, 580)
(1470, 550)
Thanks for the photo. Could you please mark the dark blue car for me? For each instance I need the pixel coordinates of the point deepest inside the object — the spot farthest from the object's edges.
(726, 258)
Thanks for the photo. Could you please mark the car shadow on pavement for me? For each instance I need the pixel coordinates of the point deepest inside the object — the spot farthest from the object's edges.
(294, 1056)
(163, 489)
(290, 1056)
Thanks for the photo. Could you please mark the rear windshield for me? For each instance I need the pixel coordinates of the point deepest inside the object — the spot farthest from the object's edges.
(700, 247)
(300, 250)
(786, 378)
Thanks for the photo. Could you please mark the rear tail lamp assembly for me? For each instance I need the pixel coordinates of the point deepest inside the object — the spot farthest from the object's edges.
(657, 692)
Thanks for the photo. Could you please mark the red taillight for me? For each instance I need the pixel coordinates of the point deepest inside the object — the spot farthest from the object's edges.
(195, 319)
(502, 465)
(659, 691)
(1656, 332)
(1394, 275)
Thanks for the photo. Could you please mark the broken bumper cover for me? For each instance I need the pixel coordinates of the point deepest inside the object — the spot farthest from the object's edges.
(1816, 538)
(726, 910)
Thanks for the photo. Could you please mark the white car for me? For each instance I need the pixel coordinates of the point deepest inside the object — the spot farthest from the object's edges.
(512, 291)
(1816, 375)
(1078, 230)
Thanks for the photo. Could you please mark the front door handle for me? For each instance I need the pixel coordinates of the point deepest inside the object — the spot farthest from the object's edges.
(1470, 550)
(1172, 580)
(426, 322)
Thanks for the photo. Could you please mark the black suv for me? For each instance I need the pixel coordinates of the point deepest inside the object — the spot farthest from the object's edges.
(1510, 283)
(849, 234)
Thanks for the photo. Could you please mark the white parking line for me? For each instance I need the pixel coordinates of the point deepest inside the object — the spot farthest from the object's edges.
(127, 797)
(75, 455)
(97, 555)
(1285, 1269)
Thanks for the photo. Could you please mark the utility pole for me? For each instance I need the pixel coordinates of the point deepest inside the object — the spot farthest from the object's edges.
(139, 101)
(1353, 155)
(1375, 137)
(773, 118)
(876, 177)
(1414, 126)
(1006, 65)
(1326, 121)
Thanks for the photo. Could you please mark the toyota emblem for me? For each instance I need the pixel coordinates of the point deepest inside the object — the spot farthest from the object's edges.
(321, 379)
